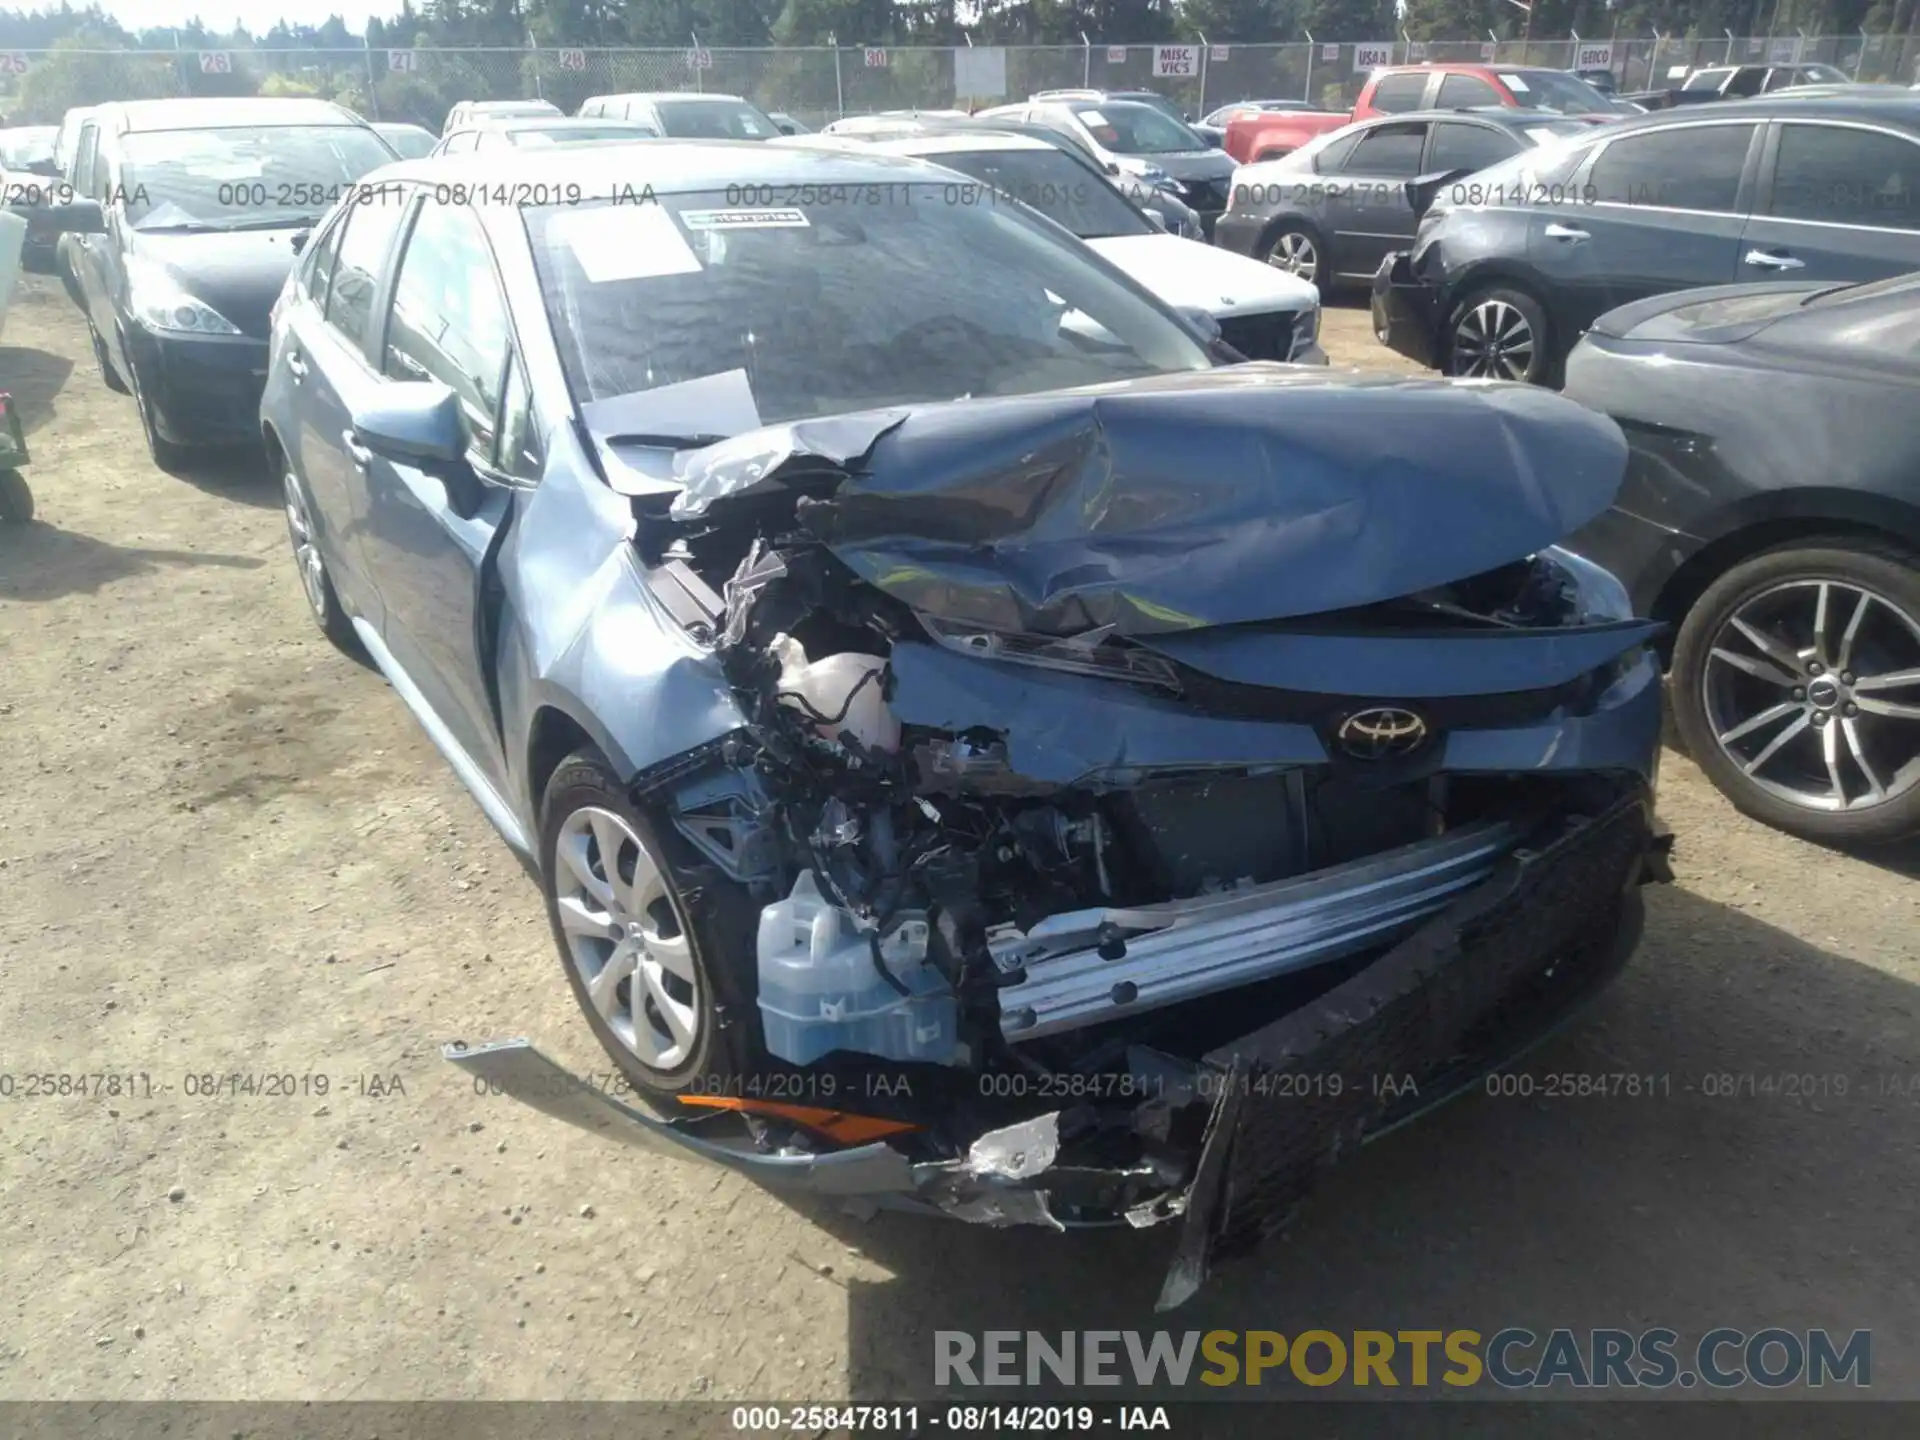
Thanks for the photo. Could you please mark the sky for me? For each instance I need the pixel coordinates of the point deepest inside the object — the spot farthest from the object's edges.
(259, 16)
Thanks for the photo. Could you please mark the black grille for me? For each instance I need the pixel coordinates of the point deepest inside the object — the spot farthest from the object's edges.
(1505, 960)
(1260, 337)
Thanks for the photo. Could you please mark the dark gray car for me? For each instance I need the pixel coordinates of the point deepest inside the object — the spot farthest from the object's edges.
(1331, 210)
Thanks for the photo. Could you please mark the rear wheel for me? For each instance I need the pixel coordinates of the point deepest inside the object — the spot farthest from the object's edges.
(322, 599)
(16, 498)
(1796, 688)
(1297, 249)
(1500, 334)
(108, 374)
(658, 950)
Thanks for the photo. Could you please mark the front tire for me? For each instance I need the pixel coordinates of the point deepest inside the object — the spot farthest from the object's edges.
(166, 454)
(658, 950)
(1796, 688)
(1500, 333)
(109, 376)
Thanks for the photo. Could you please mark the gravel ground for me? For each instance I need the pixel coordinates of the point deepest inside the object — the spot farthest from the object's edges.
(226, 850)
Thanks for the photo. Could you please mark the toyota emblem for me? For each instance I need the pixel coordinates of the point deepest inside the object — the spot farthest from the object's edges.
(1381, 732)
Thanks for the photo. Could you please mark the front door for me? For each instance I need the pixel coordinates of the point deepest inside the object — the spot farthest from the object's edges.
(1843, 204)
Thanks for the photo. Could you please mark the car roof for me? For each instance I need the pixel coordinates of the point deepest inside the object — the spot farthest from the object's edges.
(669, 167)
(656, 96)
(507, 107)
(1892, 106)
(548, 122)
(1504, 116)
(400, 125)
(951, 142)
(223, 113)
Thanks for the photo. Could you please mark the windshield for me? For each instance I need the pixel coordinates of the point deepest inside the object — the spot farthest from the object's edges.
(27, 145)
(566, 134)
(713, 120)
(1816, 75)
(1556, 91)
(694, 316)
(409, 140)
(242, 178)
(1059, 187)
(481, 109)
(1129, 128)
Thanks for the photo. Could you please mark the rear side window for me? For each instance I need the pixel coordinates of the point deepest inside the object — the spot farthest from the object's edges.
(361, 258)
(1389, 151)
(1468, 147)
(449, 318)
(1460, 91)
(84, 157)
(1691, 167)
(1397, 94)
(1847, 177)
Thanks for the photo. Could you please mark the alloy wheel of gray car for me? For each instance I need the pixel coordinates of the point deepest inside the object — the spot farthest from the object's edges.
(1493, 339)
(625, 938)
(1295, 252)
(314, 580)
(1805, 690)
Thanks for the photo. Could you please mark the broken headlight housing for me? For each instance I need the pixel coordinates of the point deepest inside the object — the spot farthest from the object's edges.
(1593, 595)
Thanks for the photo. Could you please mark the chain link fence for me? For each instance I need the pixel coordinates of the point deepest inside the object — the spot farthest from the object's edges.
(821, 83)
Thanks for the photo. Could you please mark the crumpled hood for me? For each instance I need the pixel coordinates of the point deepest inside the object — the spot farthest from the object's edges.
(1178, 502)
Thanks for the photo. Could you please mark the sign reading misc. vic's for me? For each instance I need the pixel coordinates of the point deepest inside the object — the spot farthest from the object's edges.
(1769, 1358)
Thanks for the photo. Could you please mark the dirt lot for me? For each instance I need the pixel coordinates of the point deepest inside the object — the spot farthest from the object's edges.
(226, 850)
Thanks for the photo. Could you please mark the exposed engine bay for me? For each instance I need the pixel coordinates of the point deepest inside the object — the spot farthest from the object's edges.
(1087, 808)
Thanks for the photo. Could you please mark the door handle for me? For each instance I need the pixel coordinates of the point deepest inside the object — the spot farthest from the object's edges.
(356, 452)
(296, 367)
(1565, 232)
(1769, 260)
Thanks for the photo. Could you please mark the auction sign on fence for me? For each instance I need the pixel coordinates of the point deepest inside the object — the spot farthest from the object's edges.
(1593, 57)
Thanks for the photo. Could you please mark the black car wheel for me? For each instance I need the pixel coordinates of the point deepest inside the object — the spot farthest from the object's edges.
(322, 599)
(1297, 249)
(108, 374)
(1499, 334)
(1796, 686)
(16, 498)
(659, 948)
(167, 455)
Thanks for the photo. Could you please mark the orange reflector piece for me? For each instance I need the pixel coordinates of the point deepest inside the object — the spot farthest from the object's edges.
(835, 1125)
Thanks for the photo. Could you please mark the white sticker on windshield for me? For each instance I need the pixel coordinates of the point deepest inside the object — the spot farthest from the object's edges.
(1515, 84)
(231, 169)
(1092, 117)
(624, 242)
(753, 219)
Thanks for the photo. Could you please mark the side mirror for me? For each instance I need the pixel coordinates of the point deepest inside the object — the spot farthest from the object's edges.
(76, 217)
(1113, 167)
(48, 168)
(1202, 321)
(418, 423)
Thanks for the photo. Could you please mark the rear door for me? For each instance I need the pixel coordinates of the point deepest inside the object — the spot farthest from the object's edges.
(1652, 211)
(431, 563)
(327, 347)
(1367, 208)
(1840, 201)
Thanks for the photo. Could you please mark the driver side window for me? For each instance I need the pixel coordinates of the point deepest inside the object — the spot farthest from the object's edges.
(449, 320)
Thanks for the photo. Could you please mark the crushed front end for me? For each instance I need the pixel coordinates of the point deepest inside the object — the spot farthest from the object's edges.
(1127, 848)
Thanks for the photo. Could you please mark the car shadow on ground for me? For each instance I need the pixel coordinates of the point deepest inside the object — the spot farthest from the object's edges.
(34, 378)
(1743, 1186)
(241, 475)
(40, 562)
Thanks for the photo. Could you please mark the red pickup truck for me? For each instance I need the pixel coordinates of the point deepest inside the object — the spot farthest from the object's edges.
(1401, 89)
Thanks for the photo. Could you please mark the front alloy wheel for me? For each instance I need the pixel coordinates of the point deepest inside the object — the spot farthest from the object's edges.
(1801, 692)
(624, 938)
